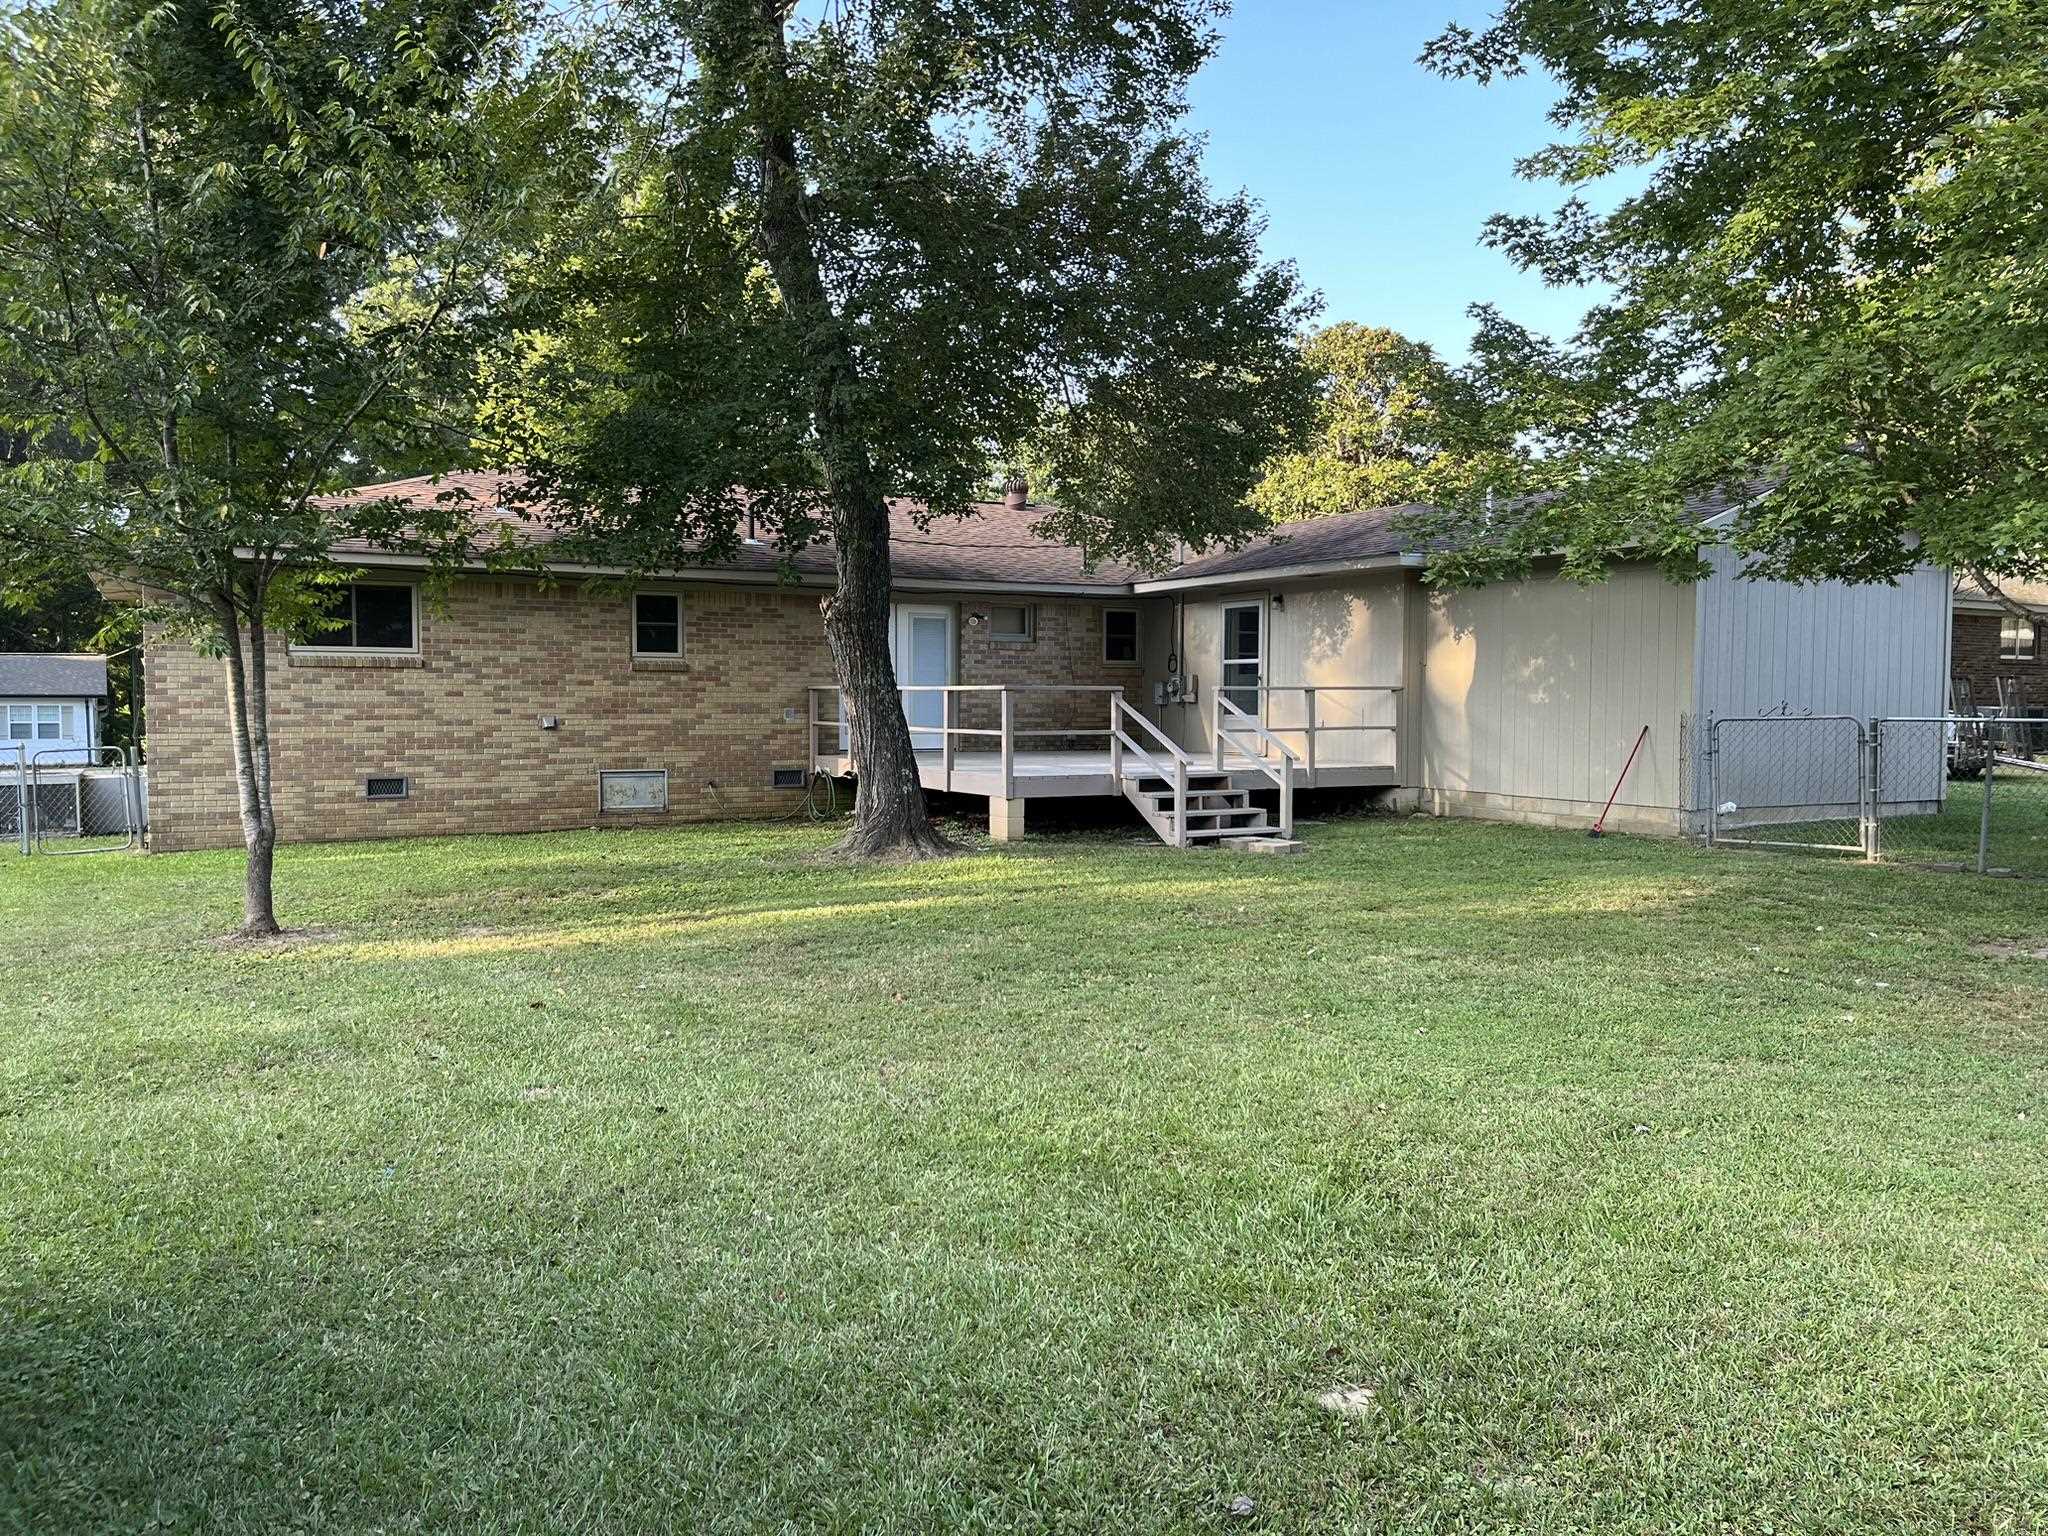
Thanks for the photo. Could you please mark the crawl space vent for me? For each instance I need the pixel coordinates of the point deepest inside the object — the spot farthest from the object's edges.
(385, 789)
(788, 778)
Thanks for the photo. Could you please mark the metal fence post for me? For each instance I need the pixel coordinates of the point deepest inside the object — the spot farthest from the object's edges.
(138, 805)
(21, 797)
(1713, 780)
(1984, 817)
(1868, 754)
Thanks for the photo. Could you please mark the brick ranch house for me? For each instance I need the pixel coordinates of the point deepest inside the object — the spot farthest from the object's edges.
(1997, 653)
(1314, 658)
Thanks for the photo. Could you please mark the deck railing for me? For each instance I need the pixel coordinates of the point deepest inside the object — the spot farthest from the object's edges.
(1121, 741)
(1238, 731)
(1006, 732)
(1311, 727)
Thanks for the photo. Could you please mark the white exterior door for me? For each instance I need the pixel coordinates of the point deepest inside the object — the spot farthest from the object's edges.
(921, 647)
(1244, 656)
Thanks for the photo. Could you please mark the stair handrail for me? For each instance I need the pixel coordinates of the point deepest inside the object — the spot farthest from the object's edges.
(1282, 776)
(1120, 742)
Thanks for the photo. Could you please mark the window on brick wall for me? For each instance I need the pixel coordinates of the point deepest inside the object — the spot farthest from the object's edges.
(1009, 621)
(2015, 638)
(1120, 635)
(657, 624)
(367, 616)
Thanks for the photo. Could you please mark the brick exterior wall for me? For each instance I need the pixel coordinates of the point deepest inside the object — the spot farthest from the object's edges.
(1974, 656)
(1065, 647)
(461, 720)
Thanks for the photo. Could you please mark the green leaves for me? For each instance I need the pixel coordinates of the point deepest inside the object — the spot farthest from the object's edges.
(1378, 432)
(1834, 275)
(1017, 256)
(235, 247)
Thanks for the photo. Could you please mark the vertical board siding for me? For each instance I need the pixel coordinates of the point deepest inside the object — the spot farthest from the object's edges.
(1347, 634)
(1773, 647)
(1537, 689)
(1326, 634)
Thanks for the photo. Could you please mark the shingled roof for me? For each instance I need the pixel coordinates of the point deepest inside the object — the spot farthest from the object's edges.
(1970, 593)
(30, 676)
(993, 547)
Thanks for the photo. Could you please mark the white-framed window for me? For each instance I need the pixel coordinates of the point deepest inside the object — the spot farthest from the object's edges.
(1011, 622)
(1120, 636)
(2015, 638)
(657, 624)
(380, 616)
(41, 722)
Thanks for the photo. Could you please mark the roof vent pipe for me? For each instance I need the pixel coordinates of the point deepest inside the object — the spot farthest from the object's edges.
(1016, 492)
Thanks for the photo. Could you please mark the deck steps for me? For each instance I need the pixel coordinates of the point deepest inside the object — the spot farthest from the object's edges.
(1218, 813)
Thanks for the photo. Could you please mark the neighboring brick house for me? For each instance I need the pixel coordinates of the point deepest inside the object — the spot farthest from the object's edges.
(1996, 653)
(498, 708)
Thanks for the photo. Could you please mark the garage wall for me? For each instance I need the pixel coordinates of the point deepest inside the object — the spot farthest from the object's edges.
(1827, 648)
(1774, 647)
(1531, 693)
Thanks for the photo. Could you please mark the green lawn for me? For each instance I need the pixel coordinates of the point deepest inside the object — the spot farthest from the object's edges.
(681, 1181)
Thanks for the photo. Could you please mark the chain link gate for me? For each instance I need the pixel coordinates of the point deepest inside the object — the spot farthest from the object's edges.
(1788, 781)
(77, 800)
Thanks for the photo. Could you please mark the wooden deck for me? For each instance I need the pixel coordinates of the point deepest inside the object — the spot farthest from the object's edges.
(1187, 796)
(1071, 775)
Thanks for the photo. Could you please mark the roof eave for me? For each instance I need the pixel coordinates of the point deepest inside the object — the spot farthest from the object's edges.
(1406, 560)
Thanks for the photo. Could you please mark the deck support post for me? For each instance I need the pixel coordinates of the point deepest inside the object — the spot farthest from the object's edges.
(1010, 755)
(1005, 819)
(1310, 750)
(949, 718)
(1116, 742)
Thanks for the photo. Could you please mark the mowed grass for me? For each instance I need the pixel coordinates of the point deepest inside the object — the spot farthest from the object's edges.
(684, 1181)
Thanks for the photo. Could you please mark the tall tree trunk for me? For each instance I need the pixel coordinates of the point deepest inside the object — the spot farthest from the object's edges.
(888, 803)
(889, 815)
(249, 733)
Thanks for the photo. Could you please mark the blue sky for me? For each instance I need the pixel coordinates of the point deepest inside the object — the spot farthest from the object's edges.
(1375, 174)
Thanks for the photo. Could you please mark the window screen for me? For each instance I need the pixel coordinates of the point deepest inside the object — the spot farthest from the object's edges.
(1009, 621)
(657, 624)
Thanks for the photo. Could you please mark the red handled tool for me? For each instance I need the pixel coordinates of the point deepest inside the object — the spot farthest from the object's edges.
(1599, 828)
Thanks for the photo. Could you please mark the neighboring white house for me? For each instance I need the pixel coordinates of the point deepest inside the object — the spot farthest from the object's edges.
(50, 706)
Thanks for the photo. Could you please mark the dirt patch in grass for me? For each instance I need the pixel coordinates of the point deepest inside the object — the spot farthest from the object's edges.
(2012, 949)
(274, 943)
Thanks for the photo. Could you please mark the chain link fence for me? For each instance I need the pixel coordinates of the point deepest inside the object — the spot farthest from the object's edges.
(71, 800)
(1972, 793)
(1955, 791)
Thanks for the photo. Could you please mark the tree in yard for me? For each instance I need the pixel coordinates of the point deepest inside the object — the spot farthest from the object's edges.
(1833, 277)
(1378, 433)
(873, 252)
(234, 247)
